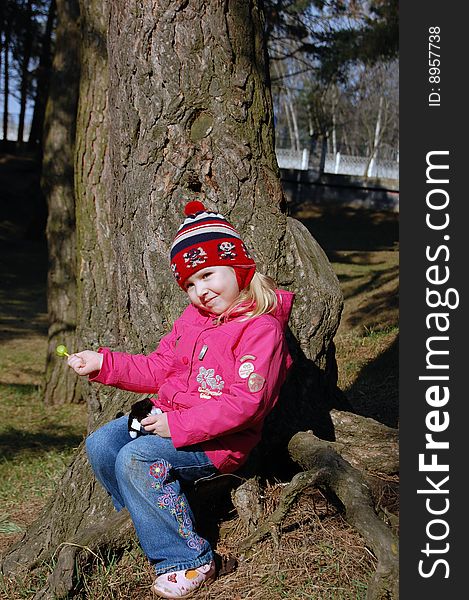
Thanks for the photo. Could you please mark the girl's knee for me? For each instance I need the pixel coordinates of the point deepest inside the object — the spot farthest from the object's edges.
(106, 441)
(128, 463)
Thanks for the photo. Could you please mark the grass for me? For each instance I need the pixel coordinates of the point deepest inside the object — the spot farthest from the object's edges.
(364, 252)
(367, 339)
(36, 445)
(316, 555)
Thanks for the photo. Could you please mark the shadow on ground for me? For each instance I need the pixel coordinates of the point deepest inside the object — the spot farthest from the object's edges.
(14, 442)
(23, 249)
(379, 378)
(352, 229)
(365, 238)
(23, 273)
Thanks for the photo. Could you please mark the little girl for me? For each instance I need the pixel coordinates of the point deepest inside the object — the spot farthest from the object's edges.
(215, 377)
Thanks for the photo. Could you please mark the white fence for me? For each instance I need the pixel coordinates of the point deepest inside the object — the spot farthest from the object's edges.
(292, 159)
(341, 164)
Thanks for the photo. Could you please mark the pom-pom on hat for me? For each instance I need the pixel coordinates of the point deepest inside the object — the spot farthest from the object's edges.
(206, 239)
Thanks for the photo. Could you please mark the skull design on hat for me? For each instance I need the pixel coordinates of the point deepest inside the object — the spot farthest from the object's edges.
(226, 251)
(195, 256)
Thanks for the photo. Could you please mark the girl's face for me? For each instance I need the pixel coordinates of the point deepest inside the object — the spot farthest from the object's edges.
(213, 289)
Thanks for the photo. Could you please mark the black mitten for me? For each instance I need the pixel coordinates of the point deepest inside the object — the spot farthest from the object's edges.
(139, 411)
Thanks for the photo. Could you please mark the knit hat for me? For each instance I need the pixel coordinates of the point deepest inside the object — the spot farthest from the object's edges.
(206, 239)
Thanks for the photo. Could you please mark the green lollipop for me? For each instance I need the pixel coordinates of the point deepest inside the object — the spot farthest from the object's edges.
(61, 350)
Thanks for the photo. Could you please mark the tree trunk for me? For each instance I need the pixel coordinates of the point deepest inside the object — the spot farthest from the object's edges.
(96, 266)
(42, 85)
(174, 100)
(376, 139)
(60, 384)
(6, 76)
(24, 88)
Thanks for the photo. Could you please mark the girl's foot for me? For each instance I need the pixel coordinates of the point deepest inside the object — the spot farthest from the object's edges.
(180, 584)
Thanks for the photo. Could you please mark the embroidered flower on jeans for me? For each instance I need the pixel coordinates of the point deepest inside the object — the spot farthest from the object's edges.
(159, 470)
(175, 504)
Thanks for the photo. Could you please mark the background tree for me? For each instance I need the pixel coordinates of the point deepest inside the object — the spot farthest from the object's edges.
(320, 53)
(60, 385)
(357, 118)
(367, 33)
(23, 59)
(7, 19)
(42, 76)
(26, 29)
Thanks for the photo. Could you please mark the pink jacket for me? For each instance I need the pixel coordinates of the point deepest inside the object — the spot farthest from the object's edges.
(216, 382)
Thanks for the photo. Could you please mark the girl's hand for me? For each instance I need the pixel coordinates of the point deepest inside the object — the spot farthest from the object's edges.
(85, 362)
(157, 424)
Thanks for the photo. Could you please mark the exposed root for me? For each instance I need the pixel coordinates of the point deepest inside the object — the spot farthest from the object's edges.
(290, 493)
(115, 533)
(247, 501)
(328, 470)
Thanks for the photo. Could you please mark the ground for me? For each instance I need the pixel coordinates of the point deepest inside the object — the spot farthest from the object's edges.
(316, 554)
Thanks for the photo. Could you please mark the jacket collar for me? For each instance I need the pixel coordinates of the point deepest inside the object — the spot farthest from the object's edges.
(282, 312)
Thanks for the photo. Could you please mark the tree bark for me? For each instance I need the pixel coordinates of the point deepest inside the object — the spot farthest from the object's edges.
(175, 101)
(366, 444)
(60, 384)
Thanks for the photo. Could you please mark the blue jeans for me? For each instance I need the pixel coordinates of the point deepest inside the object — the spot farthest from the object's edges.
(144, 475)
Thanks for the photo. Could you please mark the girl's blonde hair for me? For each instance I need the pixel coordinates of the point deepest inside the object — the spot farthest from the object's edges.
(259, 298)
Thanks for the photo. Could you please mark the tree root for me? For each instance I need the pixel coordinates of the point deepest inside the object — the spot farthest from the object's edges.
(325, 468)
(114, 533)
(246, 500)
(290, 493)
(365, 443)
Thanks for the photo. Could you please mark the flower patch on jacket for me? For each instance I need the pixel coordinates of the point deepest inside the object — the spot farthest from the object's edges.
(210, 384)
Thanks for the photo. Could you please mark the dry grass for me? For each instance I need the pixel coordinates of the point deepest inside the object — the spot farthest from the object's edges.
(315, 555)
